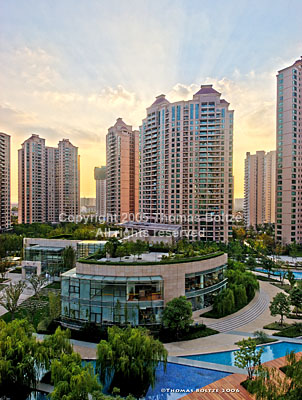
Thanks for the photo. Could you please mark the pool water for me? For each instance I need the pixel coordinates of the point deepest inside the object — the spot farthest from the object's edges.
(271, 351)
(297, 275)
(181, 377)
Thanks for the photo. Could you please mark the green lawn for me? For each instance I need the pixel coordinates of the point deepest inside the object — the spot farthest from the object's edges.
(276, 326)
(35, 309)
(291, 331)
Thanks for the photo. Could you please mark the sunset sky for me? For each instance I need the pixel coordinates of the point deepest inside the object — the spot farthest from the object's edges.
(70, 68)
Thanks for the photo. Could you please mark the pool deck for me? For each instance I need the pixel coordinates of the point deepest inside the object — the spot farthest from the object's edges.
(222, 388)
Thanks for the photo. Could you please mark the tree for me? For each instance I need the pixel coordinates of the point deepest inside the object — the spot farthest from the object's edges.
(21, 358)
(280, 305)
(177, 315)
(54, 305)
(247, 356)
(72, 381)
(271, 385)
(291, 278)
(4, 265)
(37, 282)
(69, 258)
(295, 297)
(130, 357)
(121, 252)
(224, 303)
(240, 296)
(58, 344)
(10, 297)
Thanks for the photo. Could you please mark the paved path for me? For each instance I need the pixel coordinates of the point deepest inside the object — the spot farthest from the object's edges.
(231, 323)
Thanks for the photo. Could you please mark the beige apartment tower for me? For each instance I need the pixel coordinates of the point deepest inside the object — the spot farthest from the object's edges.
(48, 181)
(186, 165)
(100, 183)
(259, 188)
(5, 200)
(289, 155)
(122, 175)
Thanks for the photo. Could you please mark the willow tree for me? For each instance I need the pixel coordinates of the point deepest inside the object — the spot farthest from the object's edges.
(128, 360)
(21, 358)
(72, 380)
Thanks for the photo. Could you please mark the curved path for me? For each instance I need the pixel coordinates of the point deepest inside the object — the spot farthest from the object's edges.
(232, 323)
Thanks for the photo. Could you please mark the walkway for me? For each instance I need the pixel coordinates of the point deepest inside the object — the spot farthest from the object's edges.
(231, 323)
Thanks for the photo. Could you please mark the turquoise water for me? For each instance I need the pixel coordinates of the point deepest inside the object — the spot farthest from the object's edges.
(297, 275)
(271, 351)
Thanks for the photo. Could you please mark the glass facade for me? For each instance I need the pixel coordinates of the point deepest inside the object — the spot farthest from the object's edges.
(201, 287)
(50, 257)
(110, 300)
(88, 247)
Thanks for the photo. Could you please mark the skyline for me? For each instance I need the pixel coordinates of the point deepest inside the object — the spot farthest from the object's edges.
(73, 77)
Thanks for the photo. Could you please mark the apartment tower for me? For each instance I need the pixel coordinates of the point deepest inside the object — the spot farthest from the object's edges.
(32, 181)
(5, 201)
(186, 151)
(48, 181)
(289, 154)
(100, 182)
(122, 158)
(259, 188)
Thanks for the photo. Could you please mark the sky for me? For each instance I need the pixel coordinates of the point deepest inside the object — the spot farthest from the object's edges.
(70, 68)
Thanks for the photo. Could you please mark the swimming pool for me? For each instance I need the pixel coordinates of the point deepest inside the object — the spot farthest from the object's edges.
(179, 378)
(271, 351)
(297, 275)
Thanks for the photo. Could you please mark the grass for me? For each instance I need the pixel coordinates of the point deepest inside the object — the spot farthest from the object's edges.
(35, 308)
(284, 287)
(276, 326)
(54, 285)
(171, 261)
(262, 341)
(195, 332)
(266, 279)
(291, 331)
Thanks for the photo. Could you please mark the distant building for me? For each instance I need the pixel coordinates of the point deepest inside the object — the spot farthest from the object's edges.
(122, 174)
(289, 154)
(259, 188)
(100, 182)
(5, 188)
(48, 181)
(238, 205)
(186, 164)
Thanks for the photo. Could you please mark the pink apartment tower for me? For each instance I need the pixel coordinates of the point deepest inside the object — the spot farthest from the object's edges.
(289, 154)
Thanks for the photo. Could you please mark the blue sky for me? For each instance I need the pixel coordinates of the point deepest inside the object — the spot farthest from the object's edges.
(70, 68)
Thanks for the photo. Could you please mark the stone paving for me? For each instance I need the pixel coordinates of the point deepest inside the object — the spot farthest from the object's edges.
(14, 278)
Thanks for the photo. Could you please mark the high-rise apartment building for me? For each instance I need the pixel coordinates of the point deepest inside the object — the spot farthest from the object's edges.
(100, 182)
(48, 181)
(259, 188)
(122, 158)
(289, 154)
(68, 178)
(32, 181)
(5, 201)
(186, 170)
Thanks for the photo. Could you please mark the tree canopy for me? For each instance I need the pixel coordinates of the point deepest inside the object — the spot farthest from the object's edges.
(129, 359)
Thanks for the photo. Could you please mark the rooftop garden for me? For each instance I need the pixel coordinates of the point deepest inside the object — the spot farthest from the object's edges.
(116, 252)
